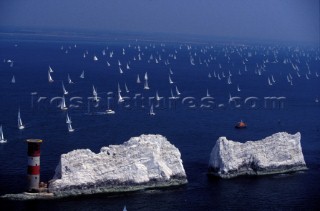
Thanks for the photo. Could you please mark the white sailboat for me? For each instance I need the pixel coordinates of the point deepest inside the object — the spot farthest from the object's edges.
(82, 74)
(49, 77)
(120, 99)
(2, 140)
(127, 90)
(70, 129)
(95, 94)
(208, 94)
(138, 79)
(120, 70)
(119, 89)
(157, 96)
(95, 58)
(298, 74)
(146, 76)
(172, 96)
(63, 105)
(68, 119)
(269, 82)
(151, 111)
(177, 91)
(230, 98)
(13, 80)
(229, 80)
(146, 85)
(50, 70)
(238, 89)
(69, 80)
(65, 92)
(20, 124)
(170, 81)
(110, 111)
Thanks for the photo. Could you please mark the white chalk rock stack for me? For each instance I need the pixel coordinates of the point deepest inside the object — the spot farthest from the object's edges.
(279, 153)
(146, 161)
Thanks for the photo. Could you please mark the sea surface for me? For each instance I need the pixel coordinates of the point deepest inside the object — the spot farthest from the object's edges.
(193, 122)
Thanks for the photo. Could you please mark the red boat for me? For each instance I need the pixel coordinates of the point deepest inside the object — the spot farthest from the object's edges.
(240, 125)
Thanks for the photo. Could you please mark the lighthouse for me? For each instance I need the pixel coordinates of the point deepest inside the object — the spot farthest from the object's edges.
(33, 164)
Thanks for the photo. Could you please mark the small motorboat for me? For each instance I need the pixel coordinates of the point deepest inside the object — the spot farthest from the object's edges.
(241, 125)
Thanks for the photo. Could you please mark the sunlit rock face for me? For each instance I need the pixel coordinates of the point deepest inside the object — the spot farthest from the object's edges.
(146, 161)
(279, 153)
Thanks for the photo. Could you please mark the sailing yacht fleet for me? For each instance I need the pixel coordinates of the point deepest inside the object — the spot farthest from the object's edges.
(218, 66)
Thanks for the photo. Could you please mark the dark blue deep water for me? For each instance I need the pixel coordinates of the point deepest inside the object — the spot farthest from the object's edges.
(192, 125)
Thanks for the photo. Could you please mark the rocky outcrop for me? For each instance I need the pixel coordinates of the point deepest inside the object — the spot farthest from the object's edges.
(147, 161)
(28, 196)
(278, 153)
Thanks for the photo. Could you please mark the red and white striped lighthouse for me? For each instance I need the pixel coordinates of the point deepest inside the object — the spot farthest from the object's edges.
(33, 164)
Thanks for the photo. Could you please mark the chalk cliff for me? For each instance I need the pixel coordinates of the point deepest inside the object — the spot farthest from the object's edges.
(142, 162)
(278, 153)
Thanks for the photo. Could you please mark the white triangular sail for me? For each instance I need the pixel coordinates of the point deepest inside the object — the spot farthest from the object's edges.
(82, 74)
(157, 96)
(269, 82)
(65, 92)
(20, 124)
(170, 81)
(49, 77)
(120, 99)
(2, 140)
(13, 80)
(95, 94)
(69, 80)
(146, 85)
(151, 111)
(127, 90)
(70, 129)
(63, 105)
(229, 80)
(177, 91)
(146, 76)
(68, 119)
(138, 80)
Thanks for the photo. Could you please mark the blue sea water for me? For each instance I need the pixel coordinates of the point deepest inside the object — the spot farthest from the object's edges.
(190, 122)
